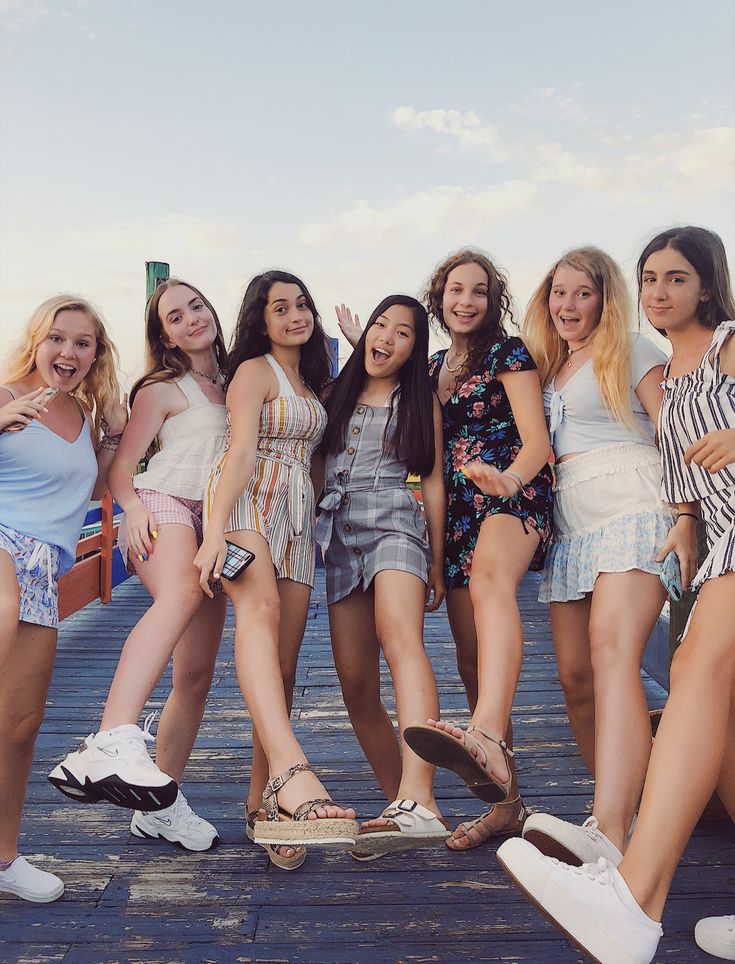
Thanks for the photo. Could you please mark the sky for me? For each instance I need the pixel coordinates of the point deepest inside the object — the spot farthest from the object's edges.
(355, 144)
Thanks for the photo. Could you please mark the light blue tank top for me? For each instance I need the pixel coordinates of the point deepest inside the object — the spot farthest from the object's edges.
(45, 485)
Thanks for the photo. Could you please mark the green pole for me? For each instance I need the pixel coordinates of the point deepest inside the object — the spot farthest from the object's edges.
(155, 273)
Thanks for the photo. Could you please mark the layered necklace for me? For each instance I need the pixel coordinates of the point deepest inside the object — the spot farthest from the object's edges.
(453, 371)
(217, 379)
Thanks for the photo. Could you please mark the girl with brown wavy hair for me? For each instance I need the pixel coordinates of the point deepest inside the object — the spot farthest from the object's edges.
(178, 411)
(60, 387)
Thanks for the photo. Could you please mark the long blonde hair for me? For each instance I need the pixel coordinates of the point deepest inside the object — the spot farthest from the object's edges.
(100, 388)
(611, 339)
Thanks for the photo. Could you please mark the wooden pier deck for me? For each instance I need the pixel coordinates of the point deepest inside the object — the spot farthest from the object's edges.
(131, 900)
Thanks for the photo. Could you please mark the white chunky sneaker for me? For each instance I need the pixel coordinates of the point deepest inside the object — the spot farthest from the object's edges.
(177, 824)
(26, 881)
(114, 765)
(716, 936)
(591, 904)
(568, 842)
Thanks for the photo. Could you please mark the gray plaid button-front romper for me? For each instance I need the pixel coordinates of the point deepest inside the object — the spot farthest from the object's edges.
(370, 521)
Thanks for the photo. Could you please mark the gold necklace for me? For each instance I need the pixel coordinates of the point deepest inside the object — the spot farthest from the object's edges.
(453, 370)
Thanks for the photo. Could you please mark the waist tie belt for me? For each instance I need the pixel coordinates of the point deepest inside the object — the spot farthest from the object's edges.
(334, 497)
(40, 557)
(300, 489)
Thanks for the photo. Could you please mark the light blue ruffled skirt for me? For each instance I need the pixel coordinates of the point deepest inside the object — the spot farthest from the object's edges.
(608, 517)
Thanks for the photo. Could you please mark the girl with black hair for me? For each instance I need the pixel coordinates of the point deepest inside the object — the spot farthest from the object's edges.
(384, 423)
(260, 497)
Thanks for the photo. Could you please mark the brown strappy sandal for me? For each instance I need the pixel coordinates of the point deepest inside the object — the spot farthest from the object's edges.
(483, 830)
(274, 852)
(438, 747)
(293, 829)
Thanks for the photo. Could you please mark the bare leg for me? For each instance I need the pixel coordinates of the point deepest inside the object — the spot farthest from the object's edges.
(502, 816)
(24, 683)
(258, 617)
(726, 783)
(357, 659)
(194, 660)
(170, 578)
(569, 626)
(625, 606)
(9, 605)
(462, 623)
(686, 762)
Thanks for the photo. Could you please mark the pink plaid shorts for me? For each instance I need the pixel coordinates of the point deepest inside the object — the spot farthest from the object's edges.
(164, 508)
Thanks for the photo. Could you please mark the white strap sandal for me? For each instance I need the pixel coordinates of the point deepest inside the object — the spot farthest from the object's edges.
(413, 825)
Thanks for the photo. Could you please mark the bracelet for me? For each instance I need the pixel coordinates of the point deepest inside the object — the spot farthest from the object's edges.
(110, 442)
(516, 477)
(691, 515)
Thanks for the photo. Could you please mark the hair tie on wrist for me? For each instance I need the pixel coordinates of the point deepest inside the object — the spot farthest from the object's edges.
(516, 477)
(691, 515)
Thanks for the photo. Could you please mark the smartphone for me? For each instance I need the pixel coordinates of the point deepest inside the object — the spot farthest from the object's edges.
(236, 561)
(671, 576)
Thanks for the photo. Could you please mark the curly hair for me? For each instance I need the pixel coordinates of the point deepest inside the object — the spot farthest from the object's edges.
(163, 363)
(250, 340)
(100, 388)
(499, 311)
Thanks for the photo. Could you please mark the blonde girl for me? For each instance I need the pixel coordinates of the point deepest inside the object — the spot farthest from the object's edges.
(602, 393)
(178, 405)
(61, 419)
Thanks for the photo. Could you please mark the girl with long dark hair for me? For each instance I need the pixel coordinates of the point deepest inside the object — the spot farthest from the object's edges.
(178, 410)
(260, 497)
(382, 574)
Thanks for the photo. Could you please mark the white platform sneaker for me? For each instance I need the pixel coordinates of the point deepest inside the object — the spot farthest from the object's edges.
(568, 842)
(26, 881)
(177, 824)
(591, 904)
(114, 766)
(716, 936)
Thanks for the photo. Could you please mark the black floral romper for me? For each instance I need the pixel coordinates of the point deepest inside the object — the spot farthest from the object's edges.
(478, 423)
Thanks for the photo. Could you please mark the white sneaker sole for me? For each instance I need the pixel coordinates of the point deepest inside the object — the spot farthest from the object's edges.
(32, 896)
(186, 843)
(112, 789)
(554, 904)
(714, 945)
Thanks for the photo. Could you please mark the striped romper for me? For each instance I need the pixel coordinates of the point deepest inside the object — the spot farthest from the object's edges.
(278, 501)
(694, 404)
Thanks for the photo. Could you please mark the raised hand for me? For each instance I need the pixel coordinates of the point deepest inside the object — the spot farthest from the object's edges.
(349, 326)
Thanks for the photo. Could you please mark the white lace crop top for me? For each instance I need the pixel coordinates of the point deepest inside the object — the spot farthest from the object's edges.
(190, 443)
(577, 417)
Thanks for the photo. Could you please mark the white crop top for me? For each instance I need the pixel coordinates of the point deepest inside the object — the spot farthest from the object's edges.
(190, 443)
(577, 416)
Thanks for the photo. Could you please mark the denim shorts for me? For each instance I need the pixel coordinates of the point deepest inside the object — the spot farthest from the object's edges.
(37, 571)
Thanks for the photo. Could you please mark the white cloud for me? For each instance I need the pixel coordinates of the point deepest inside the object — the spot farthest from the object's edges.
(17, 14)
(178, 235)
(466, 129)
(424, 213)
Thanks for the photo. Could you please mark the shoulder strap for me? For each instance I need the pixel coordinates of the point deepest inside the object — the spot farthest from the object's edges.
(193, 393)
(9, 389)
(719, 337)
(284, 385)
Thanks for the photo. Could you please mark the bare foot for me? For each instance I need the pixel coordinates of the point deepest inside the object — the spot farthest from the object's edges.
(306, 786)
(502, 819)
(491, 757)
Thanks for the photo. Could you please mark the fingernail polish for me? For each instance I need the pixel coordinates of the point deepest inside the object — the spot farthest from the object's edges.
(155, 534)
(140, 558)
